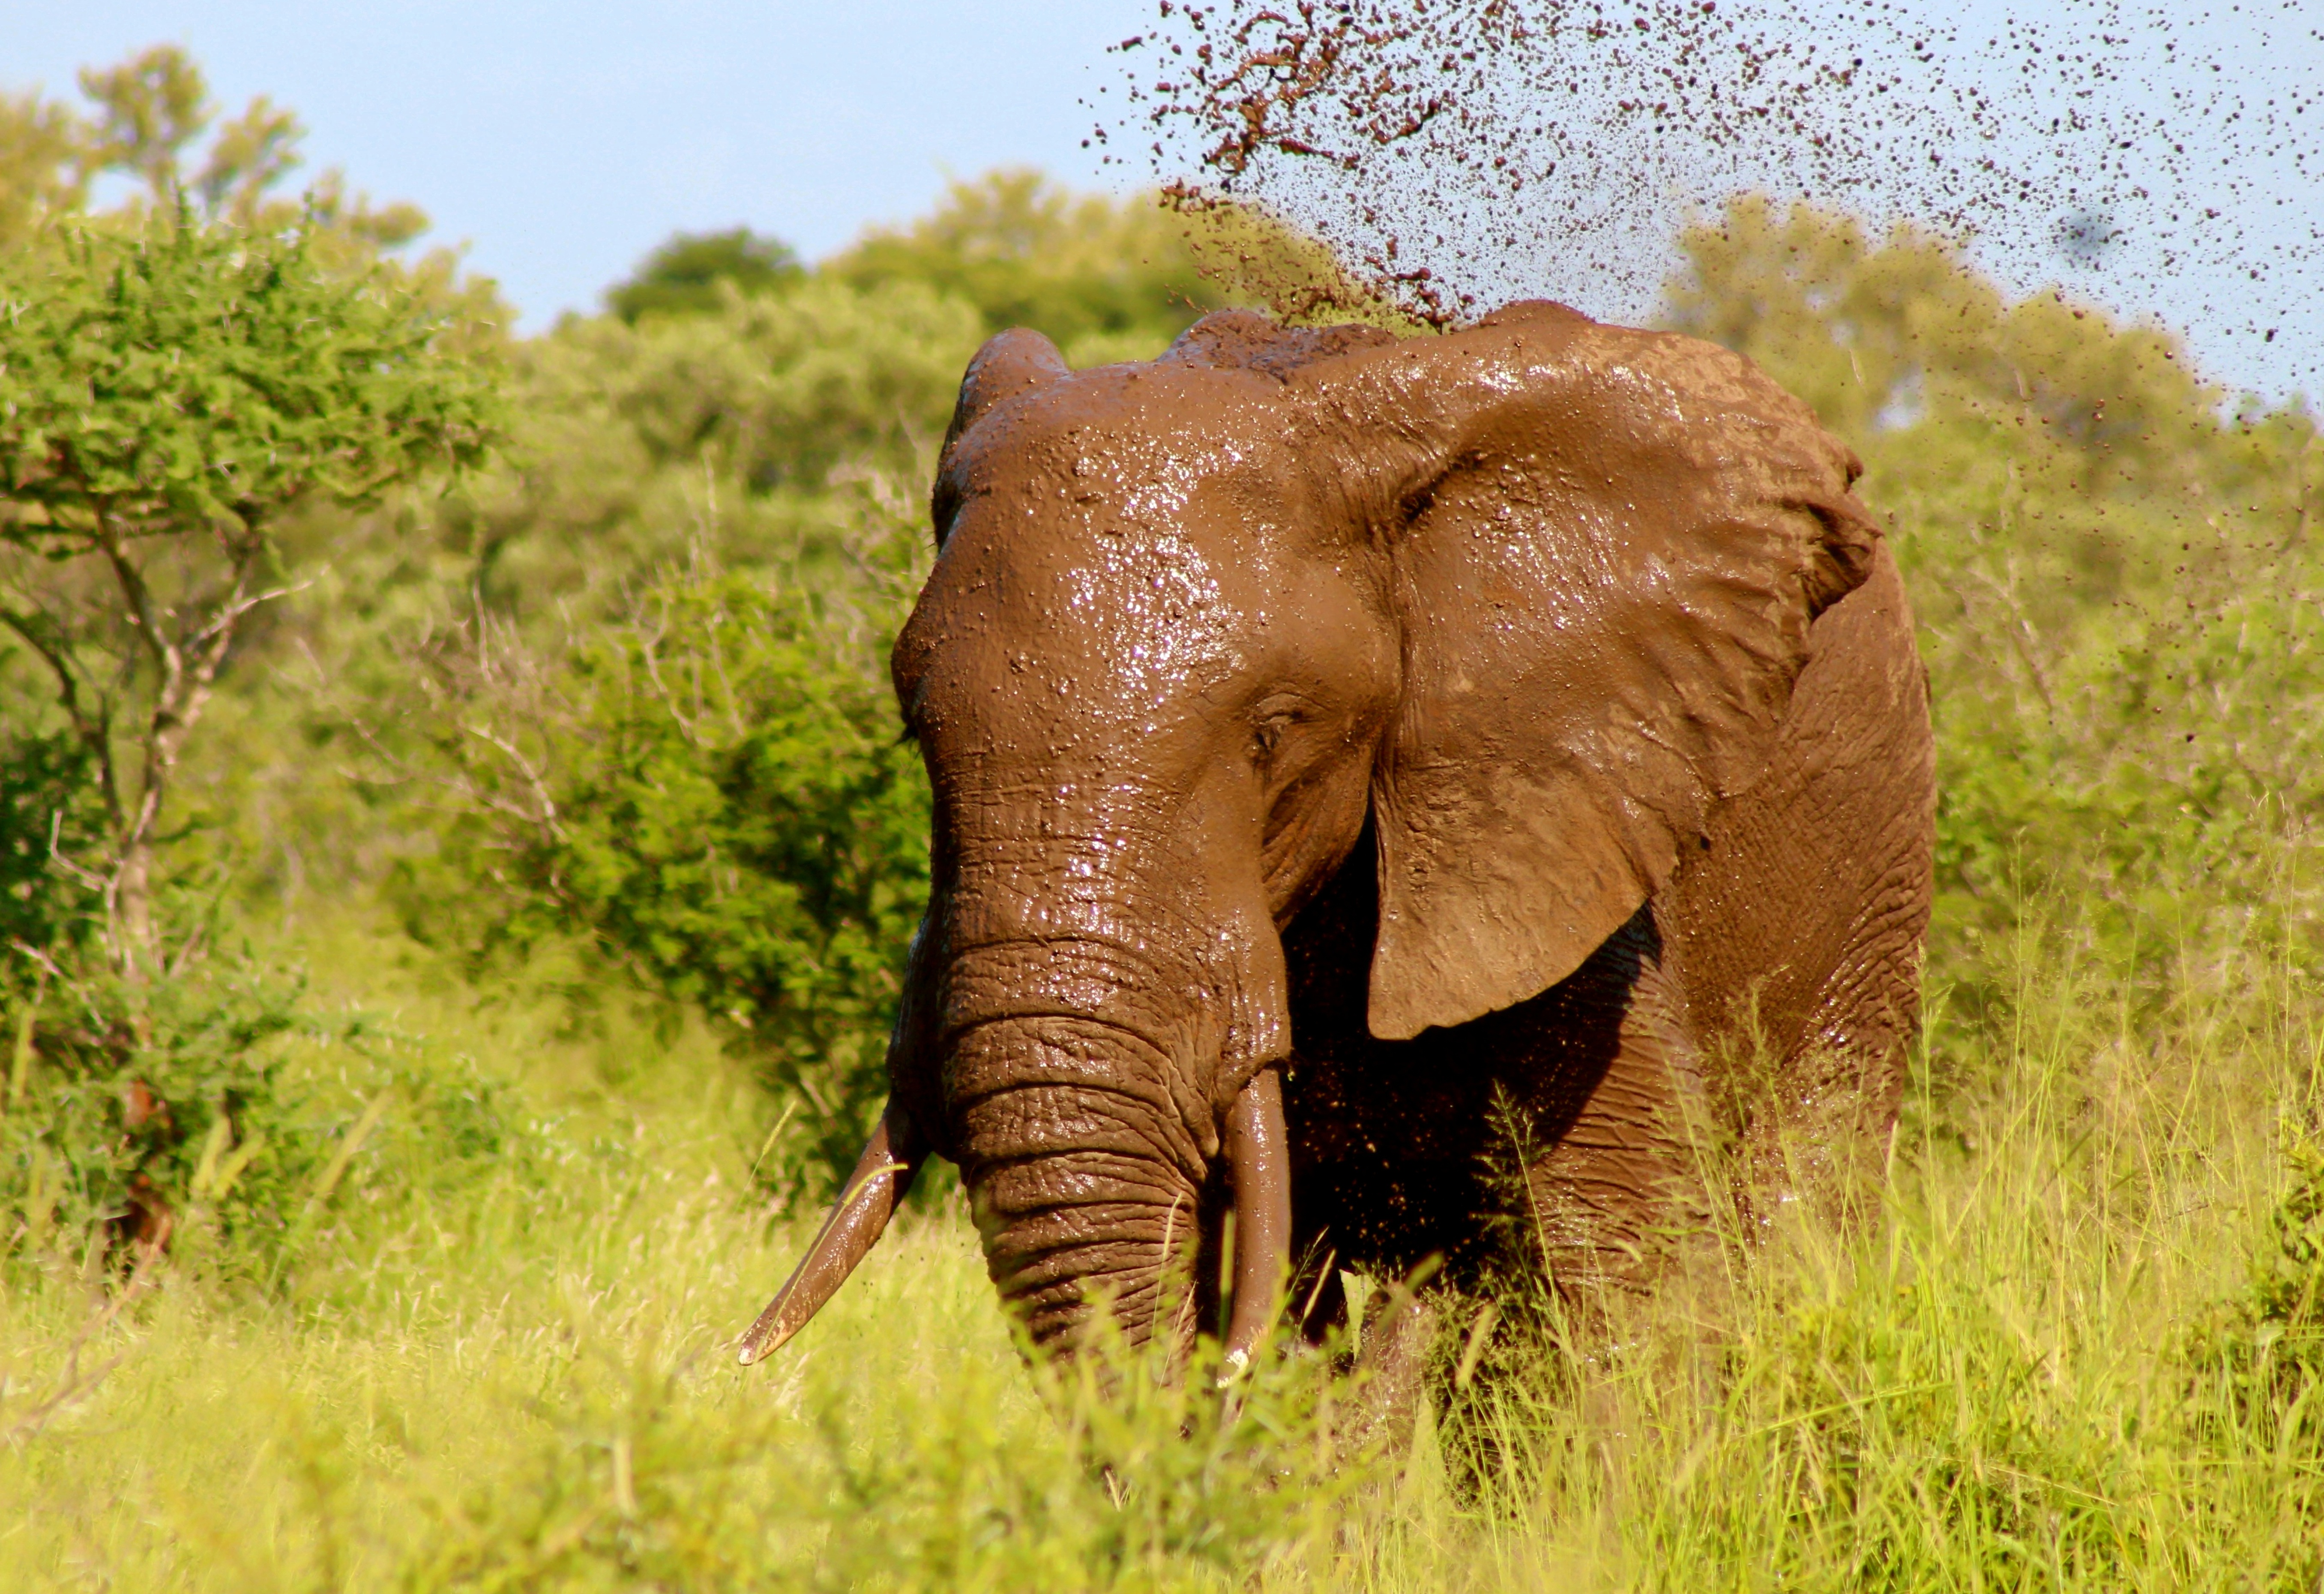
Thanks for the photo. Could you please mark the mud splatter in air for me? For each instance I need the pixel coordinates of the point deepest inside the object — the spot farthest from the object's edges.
(1463, 153)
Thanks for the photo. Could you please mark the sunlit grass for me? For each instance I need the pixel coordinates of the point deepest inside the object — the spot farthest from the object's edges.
(523, 1380)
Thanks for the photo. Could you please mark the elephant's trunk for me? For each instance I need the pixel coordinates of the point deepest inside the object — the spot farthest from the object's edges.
(1084, 1176)
(1086, 1077)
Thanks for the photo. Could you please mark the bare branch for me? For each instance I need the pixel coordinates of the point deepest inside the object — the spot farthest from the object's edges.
(47, 964)
(220, 630)
(76, 871)
(96, 734)
(139, 599)
(546, 815)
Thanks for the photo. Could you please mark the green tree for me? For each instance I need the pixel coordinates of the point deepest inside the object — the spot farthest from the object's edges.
(44, 171)
(683, 277)
(148, 119)
(745, 429)
(168, 395)
(709, 788)
(2118, 594)
(1105, 279)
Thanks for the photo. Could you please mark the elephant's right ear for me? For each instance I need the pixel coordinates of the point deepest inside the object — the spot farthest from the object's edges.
(1609, 547)
(1010, 365)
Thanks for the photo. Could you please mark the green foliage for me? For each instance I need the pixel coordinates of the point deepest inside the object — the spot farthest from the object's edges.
(177, 378)
(167, 394)
(1143, 1486)
(48, 805)
(2116, 585)
(149, 113)
(752, 426)
(710, 787)
(190, 374)
(683, 277)
(41, 173)
(151, 108)
(517, 1372)
(1106, 279)
(143, 1113)
(668, 728)
(2257, 1362)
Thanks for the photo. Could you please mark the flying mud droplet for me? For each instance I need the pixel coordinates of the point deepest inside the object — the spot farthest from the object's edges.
(1458, 154)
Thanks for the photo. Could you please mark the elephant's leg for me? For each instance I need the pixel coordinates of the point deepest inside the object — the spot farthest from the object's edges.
(1614, 1183)
(1392, 1367)
(1819, 1137)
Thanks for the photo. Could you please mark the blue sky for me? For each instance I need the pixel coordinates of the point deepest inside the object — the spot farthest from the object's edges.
(561, 141)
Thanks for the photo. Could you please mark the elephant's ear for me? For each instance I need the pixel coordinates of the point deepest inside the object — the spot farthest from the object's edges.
(1606, 565)
(1011, 364)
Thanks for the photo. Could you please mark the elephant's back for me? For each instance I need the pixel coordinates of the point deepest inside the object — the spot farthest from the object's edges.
(1795, 924)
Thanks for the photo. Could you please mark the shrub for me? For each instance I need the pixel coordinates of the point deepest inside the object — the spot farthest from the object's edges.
(144, 1114)
(2258, 1363)
(713, 793)
(48, 807)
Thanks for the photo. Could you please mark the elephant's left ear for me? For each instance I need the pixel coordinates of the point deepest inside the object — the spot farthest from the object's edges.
(1009, 365)
(1608, 555)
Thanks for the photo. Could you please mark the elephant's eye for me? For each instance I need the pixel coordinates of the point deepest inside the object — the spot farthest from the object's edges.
(1273, 722)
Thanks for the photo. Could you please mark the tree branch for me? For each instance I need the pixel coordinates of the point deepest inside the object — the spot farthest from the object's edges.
(95, 734)
(87, 877)
(545, 817)
(139, 598)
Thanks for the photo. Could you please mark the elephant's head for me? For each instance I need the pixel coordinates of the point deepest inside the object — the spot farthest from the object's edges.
(1531, 596)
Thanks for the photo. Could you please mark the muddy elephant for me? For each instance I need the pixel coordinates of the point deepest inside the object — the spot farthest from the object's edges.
(1384, 787)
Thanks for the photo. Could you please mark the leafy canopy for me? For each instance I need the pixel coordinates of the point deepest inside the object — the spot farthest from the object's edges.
(683, 277)
(191, 374)
(167, 393)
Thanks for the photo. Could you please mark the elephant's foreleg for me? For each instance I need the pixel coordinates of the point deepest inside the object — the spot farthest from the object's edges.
(1392, 1367)
(1614, 1179)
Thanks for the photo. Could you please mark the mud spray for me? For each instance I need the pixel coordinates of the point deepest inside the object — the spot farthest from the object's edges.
(1458, 154)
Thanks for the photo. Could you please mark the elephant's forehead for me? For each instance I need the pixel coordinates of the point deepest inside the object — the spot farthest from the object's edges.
(1128, 444)
(1127, 622)
(1161, 605)
(1120, 544)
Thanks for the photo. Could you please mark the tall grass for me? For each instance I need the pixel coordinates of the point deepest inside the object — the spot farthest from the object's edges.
(2049, 1361)
(2028, 1373)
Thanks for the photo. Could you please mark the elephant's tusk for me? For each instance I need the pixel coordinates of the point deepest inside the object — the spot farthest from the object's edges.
(1259, 1169)
(882, 1176)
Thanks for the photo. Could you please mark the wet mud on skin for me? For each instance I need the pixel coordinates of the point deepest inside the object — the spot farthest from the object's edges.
(1363, 705)
(1458, 153)
(1492, 728)
(1403, 1149)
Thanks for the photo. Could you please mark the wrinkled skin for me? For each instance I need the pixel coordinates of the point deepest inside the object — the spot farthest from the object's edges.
(1515, 739)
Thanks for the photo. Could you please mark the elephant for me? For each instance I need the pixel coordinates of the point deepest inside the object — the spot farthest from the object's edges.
(1361, 760)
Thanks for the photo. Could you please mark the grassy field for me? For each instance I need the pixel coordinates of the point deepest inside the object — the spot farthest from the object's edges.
(463, 1238)
(2069, 1353)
